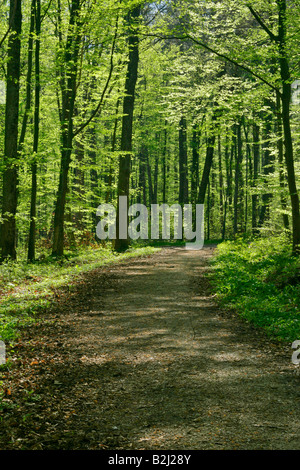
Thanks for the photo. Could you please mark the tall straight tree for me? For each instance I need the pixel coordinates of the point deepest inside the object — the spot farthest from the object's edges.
(10, 173)
(237, 178)
(32, 227)
(267, 166)
(280, 150)
(183, 176)
(280, 39)
(210, 146)
(121, 242)
(68, 84)
(68, 75)
(256, 153)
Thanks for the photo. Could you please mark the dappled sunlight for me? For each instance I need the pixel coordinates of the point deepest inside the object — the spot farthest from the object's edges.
(151, 364)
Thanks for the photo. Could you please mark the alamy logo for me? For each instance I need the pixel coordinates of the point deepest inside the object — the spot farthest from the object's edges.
(149, 226)
(2, 353)
(295, 358)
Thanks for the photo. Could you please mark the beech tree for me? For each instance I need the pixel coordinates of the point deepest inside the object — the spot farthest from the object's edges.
(162, 102)
(11, 161)
(121, 242)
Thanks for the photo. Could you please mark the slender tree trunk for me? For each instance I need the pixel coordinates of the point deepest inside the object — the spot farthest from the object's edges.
(78, 184)
(150, 184)
(267, 169)
(32, 227)
(58, 229)
(164, 164)
(208, 203)
(283, 198)
(121, 244)
(28, 76)
(248, 175)
(141, 197)
(221, 197)
(183, 179)
(195, 165)
(208, 163)
(256, 152)
(108, 196)
(237, 182)
(10, 173)
(228, 189)
(93, 175)
(155, 181)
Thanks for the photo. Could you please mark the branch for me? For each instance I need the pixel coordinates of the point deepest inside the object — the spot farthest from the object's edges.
(5, 36)
(46, 11)
(9, 26)
(263, 25)
(222, 56)
(83, 126)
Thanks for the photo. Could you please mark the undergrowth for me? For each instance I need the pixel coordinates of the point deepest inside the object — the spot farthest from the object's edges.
(261, 281)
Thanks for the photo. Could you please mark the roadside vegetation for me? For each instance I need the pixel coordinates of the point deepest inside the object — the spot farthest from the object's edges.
(260, 280)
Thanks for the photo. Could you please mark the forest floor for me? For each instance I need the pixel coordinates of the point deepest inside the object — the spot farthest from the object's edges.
(140, 356)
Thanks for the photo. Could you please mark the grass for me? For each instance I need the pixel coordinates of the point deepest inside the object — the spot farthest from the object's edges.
(27, 289)
(261, 281)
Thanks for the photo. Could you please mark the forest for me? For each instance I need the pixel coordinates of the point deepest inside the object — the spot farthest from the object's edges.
(174, 102)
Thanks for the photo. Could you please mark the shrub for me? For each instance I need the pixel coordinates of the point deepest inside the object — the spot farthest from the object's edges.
(260, 280)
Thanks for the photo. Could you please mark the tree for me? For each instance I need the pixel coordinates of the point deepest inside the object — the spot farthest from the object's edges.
(10, 173)
(121, 242)
(32, 227)
(280, 40)
(69, 82)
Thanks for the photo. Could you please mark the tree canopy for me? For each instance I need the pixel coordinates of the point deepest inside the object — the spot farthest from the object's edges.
(165, 102)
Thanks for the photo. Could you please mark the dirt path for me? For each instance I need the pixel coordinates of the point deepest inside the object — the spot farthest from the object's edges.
(140, 357)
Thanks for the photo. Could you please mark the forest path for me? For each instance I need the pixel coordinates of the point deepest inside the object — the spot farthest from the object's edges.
(140, 357)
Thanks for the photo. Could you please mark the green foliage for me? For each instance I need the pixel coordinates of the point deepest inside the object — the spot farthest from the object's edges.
(177, 78)
(261, 280)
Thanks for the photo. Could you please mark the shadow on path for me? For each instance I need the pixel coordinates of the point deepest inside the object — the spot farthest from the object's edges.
(141, 357)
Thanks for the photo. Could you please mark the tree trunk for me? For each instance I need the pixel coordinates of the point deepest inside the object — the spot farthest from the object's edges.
(267, 168)
(221, 197)
(68, 88)
(229, 178)
(208, 203)
(255, 131)
(29, 75)
(183, 178)
(150, 184)
(10, 173)
(78, 185)
(208, 163)
(195, 165)
(283, 199)
(141, 197)
(248, 177)
(164, 157)
(285, 100)
(237, 182)
(155, 181)
(109, 195)
(32, 227)
(93, 175)
(121, 244)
